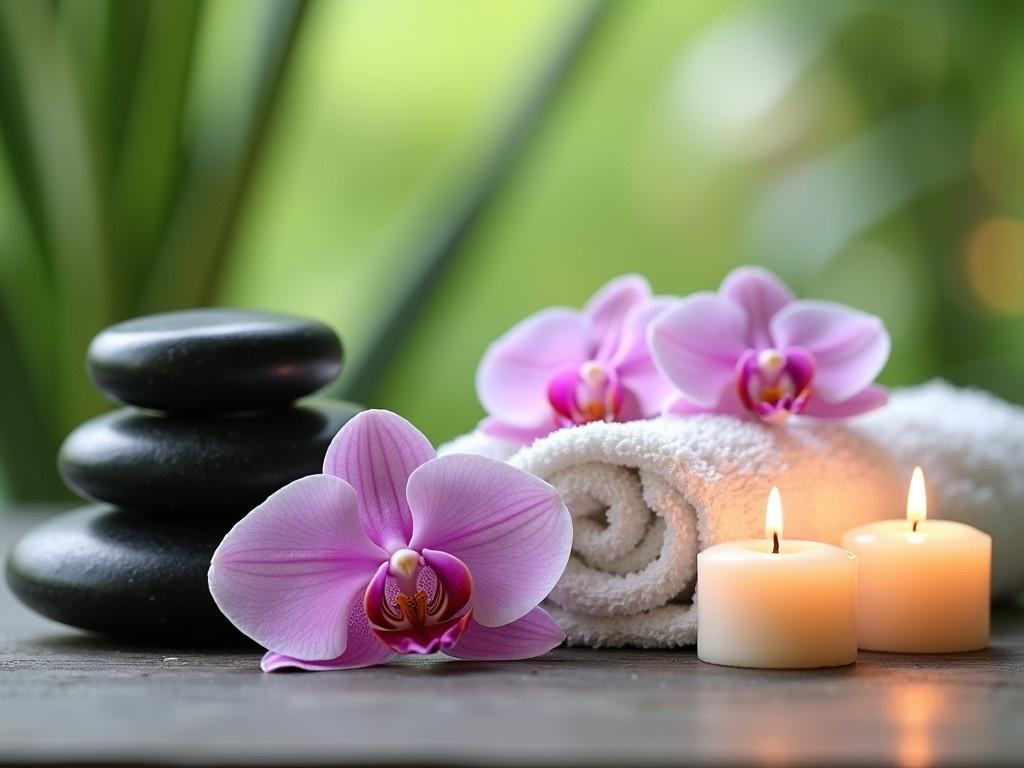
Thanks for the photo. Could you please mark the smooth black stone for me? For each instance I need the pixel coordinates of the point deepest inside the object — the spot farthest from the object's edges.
(198, 465)
(117, 572)
(213, 360)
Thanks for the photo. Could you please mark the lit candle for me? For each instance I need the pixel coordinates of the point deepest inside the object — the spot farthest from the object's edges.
(924, 586)
(776, 603)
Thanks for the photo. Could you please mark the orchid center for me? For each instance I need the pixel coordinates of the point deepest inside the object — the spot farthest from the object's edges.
(774, 384)
(419, 602)
(404, 567)
(770, 362)
(590, 392)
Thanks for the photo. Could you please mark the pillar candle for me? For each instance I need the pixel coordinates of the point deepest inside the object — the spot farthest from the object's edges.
(924, 585)
(775, 603)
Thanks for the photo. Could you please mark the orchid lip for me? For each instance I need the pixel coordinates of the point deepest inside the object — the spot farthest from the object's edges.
(774, 384)
(419, 602)
(585, 393)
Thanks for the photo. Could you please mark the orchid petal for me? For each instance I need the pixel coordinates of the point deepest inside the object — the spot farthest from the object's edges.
(363, 649)
(629, 407)
(868, 399)
(606, 312)
(510, 528)
(648, 387)
(287, 574)
(680, 406)
(523, 435)
(633, 348)
(761, 295)
(534, 634)
(375, 452)
(850, 348)
(632, 360)
(512, 379)
(730, 404)
(696, 345)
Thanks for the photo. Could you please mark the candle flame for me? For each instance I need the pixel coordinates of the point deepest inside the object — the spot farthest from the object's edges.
(773, 515)
(917, 499)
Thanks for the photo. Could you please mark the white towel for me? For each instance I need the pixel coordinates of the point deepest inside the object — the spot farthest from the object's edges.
(647, 495)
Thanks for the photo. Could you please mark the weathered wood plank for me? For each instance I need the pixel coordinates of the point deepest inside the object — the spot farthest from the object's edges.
(65, 696)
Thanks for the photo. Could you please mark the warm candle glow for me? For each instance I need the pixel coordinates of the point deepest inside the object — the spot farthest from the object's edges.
(775, 604)
(917, 500)
(773, 518)
(899, 562)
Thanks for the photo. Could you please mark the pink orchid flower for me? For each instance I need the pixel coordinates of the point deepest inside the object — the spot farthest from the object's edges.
(752, 349)
(562, 367)
(393, 550)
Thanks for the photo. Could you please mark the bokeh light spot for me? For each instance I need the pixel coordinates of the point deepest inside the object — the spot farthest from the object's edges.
(995, 265)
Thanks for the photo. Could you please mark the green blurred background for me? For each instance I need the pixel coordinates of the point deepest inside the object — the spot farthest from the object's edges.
(420, 175)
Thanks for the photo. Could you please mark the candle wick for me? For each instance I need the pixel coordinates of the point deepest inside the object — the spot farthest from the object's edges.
(775, 542)
(913, 527)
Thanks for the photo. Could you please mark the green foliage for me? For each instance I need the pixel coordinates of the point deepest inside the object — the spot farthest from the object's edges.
(118, 204)
(423, 175)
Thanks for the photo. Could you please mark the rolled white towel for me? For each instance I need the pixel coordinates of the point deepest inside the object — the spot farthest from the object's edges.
(646, 496)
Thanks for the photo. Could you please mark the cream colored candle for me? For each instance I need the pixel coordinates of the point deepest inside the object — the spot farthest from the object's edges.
(924, 585)
(774, 603)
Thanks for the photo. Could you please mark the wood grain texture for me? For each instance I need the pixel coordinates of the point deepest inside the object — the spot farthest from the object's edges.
(70, 697)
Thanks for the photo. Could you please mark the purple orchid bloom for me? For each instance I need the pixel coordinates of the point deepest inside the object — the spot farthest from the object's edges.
(394, 550)
(562, 367)
(752, 349)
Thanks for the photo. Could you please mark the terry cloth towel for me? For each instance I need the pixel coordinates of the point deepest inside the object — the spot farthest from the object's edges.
(647, 495)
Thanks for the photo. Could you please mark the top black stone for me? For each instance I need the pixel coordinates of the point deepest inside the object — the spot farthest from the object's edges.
(213, 360)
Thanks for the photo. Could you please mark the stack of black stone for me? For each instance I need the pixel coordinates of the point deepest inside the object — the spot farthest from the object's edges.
(210, 430)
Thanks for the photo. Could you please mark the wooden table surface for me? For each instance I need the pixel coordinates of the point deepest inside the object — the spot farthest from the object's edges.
(70, 697)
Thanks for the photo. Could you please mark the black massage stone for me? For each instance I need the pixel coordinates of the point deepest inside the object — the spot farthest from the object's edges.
(216, 431)
(213, 360)
(121, 573)
(198, 465)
